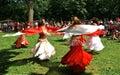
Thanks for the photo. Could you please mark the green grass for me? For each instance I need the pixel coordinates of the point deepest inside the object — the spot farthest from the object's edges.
(19, 62)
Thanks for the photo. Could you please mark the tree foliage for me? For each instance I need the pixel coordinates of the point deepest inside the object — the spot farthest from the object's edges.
(24, 10)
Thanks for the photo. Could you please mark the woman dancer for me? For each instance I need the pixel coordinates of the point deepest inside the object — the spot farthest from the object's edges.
(21, 41)
(43, 49)
(94, 42)
(77, 58)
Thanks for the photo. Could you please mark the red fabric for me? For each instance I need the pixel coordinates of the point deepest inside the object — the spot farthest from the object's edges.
(82, 40)
(51, 29)
(32, 31)
(77, 59)
(78, 41)
(21, 41)
(58, 33)
(54, 30)
(98, 32)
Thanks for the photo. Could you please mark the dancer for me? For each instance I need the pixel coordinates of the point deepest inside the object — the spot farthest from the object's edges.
(77, 58)
(43, 49)
(21, 42)
(94, 43)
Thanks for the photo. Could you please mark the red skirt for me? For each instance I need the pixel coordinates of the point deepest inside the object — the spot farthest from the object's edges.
(77, 59)
(21, 41)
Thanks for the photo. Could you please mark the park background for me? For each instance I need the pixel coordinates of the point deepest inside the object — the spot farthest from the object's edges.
(19, 62)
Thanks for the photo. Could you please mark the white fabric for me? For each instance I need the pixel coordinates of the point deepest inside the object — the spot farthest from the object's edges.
(79, 30)
(83, 29)
(101, 27)
(44, 50)
(67, 35)
(15, 34)
(94, 43)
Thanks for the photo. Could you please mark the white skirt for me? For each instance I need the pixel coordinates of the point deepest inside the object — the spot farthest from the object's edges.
(43, 50)
(94, 43)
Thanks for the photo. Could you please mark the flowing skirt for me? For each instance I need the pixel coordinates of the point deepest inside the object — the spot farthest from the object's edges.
(77, 59)
(94, 43)
(43, 50)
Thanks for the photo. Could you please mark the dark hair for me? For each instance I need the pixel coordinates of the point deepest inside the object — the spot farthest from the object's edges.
(95, 20)
(41, 22)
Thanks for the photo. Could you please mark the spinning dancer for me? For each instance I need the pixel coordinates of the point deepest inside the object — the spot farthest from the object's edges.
(77, 59)
(94, 42)
(43, 49)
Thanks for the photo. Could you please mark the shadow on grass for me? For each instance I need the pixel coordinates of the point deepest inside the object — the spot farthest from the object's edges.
(6, 54)
(63, 42)
(60, 40)
(55, 68)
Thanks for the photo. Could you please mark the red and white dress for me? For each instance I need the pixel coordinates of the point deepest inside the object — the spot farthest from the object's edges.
(43, 48)
(77, 58)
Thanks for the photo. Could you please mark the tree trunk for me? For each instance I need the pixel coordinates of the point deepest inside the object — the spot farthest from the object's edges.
(30, 17)
(31, 12)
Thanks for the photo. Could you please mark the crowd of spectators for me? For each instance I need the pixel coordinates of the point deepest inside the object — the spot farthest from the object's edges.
(112, 28)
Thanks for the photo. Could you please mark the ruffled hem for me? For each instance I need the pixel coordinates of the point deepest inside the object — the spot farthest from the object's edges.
(77, 59)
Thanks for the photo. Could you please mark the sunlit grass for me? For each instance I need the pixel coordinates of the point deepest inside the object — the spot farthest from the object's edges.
(18, 61)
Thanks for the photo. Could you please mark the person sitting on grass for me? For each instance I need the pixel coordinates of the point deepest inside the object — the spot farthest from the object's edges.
(21, 42)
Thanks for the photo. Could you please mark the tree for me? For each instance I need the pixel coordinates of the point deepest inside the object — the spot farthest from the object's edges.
(65, 9)
(29, 10)
(41, 9)
(30, 4)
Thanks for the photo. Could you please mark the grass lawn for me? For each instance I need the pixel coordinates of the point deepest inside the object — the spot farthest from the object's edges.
(19, 62)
